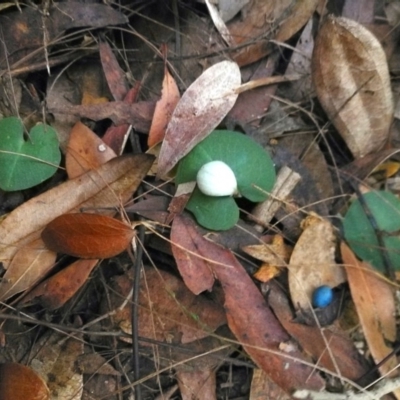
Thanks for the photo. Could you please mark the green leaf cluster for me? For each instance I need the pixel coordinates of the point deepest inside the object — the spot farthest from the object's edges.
(251, 164)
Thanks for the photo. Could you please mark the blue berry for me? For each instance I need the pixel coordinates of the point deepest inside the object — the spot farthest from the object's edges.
(322, 296)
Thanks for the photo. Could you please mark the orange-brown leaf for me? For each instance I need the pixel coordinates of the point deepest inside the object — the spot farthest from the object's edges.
(87, 235)
(18, 381)
(164, 109)
(85, 151)
(374, 301)
(55, 291)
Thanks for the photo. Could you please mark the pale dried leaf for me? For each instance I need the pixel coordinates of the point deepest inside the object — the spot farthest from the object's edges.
(352, 81)
(54, 360)
(110, 186)
(312, 263)
(374, 301)
(29, 265)
(201, 108)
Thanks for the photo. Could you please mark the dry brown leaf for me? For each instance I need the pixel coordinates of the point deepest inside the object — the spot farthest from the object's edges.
(28, 266)
(54, 358)
(352, 81)
(85, 151)
(312, 263)
(164, 109)
(200, 384)
(168, 310)
(330, 347)
(278, 20)
(109, 186)
(115, 76)
(201, 108)
(374, 301)
(276, 253)
(195, 271)
(252, 321)
(55, 291)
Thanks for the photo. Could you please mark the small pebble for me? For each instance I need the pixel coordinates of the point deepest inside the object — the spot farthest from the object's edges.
(322, 296)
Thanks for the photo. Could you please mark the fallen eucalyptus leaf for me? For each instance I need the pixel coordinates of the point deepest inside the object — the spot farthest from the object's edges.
(352, 81)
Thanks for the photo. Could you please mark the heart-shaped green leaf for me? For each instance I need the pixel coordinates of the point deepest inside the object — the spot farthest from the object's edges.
(251, 164)
(216, 213)
(362, 237)
(26, 163)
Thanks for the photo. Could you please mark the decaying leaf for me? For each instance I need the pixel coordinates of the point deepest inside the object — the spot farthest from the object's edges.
(352, 81)
(201, 108)
(164, 109)
(168, 310)
(85, 151)
(252, 321)
(55, 291)
(374, 301)
(278, 20)
(114, 74)
(29, 265)
(330, 347)
(108, 186)
(195, 271)
(312, 263)
(53, 357)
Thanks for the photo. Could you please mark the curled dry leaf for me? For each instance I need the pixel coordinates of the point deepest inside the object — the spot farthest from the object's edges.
(108, 186)
(201, 108)
(87, 235)
(18, 381)
(312, 263)
(351, 77)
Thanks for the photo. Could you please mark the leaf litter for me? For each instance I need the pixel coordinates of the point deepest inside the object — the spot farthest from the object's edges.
(178, 296)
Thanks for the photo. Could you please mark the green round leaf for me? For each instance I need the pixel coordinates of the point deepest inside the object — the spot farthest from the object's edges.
(216, 213)
(362, 238)
(251, 164)
(26, 163)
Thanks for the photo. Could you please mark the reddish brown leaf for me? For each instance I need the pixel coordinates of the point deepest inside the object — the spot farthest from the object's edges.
(114, 74)
(164, 109)
(168, 310)
(201, 108)
(18, 381)
(116, 136)
(58, 289)
(195, 271)
(254, 324)
(139, 115)
(87, 235)
(85, 151)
